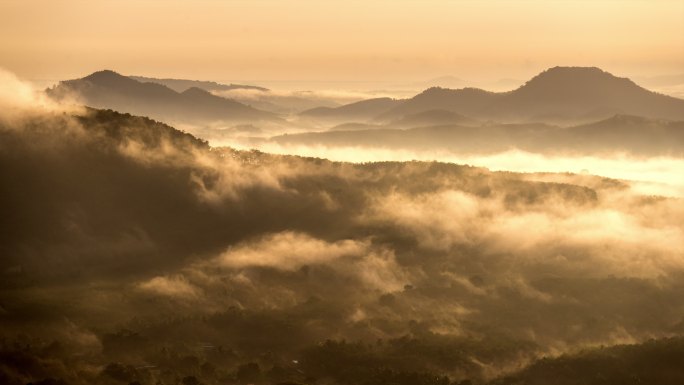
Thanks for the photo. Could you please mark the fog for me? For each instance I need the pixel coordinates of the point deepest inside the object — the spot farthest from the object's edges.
(132, 251)
(19, 97)
(314, 97)
(658, 175)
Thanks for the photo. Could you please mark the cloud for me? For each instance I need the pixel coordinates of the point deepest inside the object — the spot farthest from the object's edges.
(650, 175)
(19, 98)
(289, 250)
(563, 234)
(438, 220)
(330, 96)
(174, 286)
(126, 222)
(15, 93)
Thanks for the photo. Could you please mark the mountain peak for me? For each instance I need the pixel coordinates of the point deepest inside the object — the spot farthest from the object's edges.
(109, 89)
(104, 75)
(109, 78)
(196, 91)
(575, 72)
(626, 119)
(435, 91)
(564, 78)
(575, 69)
(573, 86)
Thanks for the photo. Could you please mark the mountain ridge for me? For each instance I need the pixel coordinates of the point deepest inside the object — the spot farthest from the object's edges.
(364, 109)
(111, 90)
(632, 134)
(558, 95)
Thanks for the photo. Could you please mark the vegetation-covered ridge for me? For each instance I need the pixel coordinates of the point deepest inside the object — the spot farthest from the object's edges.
(134, 252)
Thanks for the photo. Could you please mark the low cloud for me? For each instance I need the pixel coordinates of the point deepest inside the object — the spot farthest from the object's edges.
(19, 98)
(148, 240)
(290, 251)
(650, 175)
(585, 238)
(174, 286)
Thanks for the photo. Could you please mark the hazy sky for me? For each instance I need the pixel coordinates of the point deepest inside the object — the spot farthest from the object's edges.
(383, 40)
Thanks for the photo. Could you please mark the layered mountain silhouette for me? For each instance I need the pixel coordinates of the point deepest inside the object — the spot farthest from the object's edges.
(583, 93)
(464, 101)
(363, 110)
(421, 119)
(180, 85)
(108, 89)
(432, 118)
(559, 95)
(632, 134)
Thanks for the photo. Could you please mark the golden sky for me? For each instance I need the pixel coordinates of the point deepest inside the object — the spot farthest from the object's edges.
(381, 40)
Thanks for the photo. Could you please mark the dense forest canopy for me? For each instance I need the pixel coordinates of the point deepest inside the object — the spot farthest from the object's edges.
(134, 252)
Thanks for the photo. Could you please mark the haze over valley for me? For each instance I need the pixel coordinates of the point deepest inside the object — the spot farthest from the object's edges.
(506, 220)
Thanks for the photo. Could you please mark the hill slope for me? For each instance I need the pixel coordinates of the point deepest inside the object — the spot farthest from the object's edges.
(363, 110)
(134, 252)
(583, 93)
(557, 95)
(653, 362)
(620, 133)
(108, 89)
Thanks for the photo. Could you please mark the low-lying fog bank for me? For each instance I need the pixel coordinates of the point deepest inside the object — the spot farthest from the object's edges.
(136, 253)
(657, 175)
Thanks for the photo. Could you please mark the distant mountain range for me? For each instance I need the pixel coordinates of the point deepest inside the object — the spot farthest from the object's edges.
(108, 89)
(560, 95)
(180, 85)
(363, 110)
(631, 134)
(432, 118)
(563, 96)
(443, 81)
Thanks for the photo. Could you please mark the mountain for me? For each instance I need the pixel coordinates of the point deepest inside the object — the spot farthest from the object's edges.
(180, 85)
(431, 118)
(631, 134)
(462, 139)
(652, 362)
(567, 93)
(281, 102)
(421, 119)
(133, 252)
(363, 110)
(465, 101)
(620, 133)
(257, 97)
(108, 89)
(558, 95)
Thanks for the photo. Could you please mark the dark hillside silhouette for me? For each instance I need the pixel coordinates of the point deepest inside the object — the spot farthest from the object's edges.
(432, 118)
(133, 252)
(108, 89)
(363, 110)
(622, 133)
(465, 101)
(559, 95)
(584, 93)
(652, 362)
